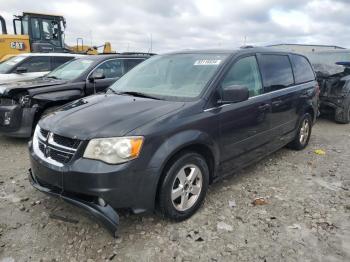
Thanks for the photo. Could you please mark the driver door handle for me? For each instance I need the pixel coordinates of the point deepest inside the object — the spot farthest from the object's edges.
(277, 103)
(264, 107)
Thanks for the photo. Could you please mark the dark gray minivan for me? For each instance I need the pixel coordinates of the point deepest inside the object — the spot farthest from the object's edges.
(170, 127)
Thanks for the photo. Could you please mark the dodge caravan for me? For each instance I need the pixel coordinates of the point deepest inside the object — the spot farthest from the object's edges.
(170, 127)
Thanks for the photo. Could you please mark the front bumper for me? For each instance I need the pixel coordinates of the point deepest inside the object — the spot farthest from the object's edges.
(19, 120)
(83, 181)
(105, 214)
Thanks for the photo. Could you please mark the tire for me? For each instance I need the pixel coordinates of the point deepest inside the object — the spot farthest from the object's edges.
(177, 187)
(342, 115)
(304, 133)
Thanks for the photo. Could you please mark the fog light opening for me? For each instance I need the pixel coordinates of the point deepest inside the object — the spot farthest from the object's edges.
(101, 202)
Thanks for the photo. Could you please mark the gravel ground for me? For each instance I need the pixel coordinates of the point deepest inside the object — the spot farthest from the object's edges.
(305, 214)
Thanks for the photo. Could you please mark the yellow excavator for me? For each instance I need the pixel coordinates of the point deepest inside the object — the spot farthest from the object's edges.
(40, 33)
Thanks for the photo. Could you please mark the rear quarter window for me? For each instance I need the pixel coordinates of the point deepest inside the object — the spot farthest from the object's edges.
(276, 71)
(302, 69)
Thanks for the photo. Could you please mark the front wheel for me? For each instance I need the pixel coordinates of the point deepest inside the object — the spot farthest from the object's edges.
(304, 133)
(184, 186)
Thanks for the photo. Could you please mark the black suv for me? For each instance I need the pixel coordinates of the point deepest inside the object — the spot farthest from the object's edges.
(23, 103)
(170, 127)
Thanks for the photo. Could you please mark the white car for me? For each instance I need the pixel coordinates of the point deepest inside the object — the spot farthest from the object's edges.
(31, 65)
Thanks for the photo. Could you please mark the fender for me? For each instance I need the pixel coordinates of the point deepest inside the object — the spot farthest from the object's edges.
(59, 96)
(179, 141)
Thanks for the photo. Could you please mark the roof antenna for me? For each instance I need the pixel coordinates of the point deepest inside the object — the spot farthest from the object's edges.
(151, 45)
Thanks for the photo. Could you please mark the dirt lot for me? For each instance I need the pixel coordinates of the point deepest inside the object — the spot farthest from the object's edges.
(306, 217)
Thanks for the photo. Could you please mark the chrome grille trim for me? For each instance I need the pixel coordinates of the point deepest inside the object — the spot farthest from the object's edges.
(61, 153)
(53, 143)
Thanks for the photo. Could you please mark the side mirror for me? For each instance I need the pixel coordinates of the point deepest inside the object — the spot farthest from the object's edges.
(96, 75)
(21, 70)
(234, 94)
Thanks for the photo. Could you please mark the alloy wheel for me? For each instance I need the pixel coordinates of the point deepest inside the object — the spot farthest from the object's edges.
(187, 187)
(304, 131)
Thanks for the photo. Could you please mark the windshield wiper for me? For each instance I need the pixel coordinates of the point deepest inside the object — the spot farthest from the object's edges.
(53, 77)
(138, 94)
(112, 90)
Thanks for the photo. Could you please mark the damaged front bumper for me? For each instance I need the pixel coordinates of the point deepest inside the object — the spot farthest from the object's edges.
(105, 214)
(16, 121)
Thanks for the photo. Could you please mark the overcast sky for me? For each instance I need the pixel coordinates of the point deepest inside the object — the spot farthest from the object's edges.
(181, 24)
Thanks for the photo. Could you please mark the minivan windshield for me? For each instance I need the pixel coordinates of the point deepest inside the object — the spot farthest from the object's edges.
(9, 63)
(71, 70)
(171, 76)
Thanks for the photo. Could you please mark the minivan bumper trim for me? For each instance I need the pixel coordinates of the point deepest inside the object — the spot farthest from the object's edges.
(106, 215)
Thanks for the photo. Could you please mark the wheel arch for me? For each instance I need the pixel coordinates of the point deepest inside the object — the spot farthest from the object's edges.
(205, 148)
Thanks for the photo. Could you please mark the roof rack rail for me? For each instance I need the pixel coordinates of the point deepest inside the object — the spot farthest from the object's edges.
(137, 53)
(129, 53)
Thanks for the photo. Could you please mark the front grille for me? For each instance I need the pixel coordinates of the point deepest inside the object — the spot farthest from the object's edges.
(55, 147)
(42, 147)
(60, 157)
(65, 141)
(44, 132)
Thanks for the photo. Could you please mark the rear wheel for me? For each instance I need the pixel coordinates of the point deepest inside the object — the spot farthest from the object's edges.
(184, 186)
(342, 115)
(304, 133)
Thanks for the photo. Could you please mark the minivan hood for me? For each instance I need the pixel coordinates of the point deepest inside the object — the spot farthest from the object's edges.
(29, 84)
(105, 116)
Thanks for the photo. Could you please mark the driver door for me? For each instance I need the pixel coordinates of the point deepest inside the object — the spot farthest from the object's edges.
(245, 125)
(111, 69)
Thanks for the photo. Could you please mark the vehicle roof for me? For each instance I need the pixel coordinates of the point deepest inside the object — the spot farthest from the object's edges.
(41, 14)
(52, 54)
(233, 51)
(111, 56)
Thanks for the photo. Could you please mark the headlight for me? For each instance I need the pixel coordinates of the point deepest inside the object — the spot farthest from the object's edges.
(114, 150)
(24, 101)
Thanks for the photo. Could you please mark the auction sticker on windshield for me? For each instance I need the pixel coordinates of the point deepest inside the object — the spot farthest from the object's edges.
(207, 62)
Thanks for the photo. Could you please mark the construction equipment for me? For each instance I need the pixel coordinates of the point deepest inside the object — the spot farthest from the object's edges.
(35, 32)
(91, 50)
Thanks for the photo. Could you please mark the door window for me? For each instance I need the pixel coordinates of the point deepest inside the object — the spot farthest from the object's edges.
(276, 72)
(111, 68)
(245, 72)
(17, 27)
(302, 69)
(35, 25)
(50, 30)
(37, 64)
